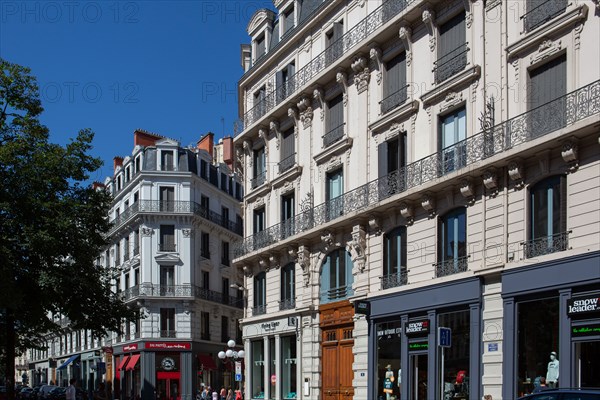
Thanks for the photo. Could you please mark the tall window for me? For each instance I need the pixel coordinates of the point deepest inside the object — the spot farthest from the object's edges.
(288, 359)
(538, 12)
(205, 280)
(166, 159)
(260, 107)
(260, 46)
(453, 131)
(392, 163)
(224, 329)
(225, 290)
(284, 81)
(167, 198)
(167, 323)
(334, 190)
(260, 294)
(259, 220)
(167, 280)
(288, 290)
(452, 49)
(205, 325)
(548, 217)
(334, 120)
(225, 253)
(334, 46)
(260, 167)
(288, 150)
(287, 20)
(205, 245)
(394, 261)
(257, 368)
(452, 243)
(546, 96)
(395, 89)
(287, 215)
(336, 276)
(167, 238)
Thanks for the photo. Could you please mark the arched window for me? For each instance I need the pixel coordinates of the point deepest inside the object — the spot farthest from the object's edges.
(452, 243)
(288, 287)
(260, 294)
(394, 258)
(547, 223)
(336, 276)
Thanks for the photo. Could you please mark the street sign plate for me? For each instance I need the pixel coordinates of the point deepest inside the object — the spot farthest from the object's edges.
(444, 337)
(238, 377)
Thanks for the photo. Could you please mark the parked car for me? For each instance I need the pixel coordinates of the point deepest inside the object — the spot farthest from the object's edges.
(44, 390)
(25, 393)
(58, 393)
(564, 394)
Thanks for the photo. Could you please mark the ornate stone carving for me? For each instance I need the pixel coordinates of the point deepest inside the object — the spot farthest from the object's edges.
(375, 55)
(274, 128)
(306, 112)
(515, 173)
(405, 34)
(342, 78)
(428, 204)
(570, 155)
(452, 99)
(187, 232)
(515, 65)
(293, 113)
(490, 181)
(467, 189)
(428, 18)
(247, 270)
(406, 210)
(362, 74)
(318, 95)
(303, 259)
(147, 231)
(358, 246)
(327, 239)
(546, 49)
(577, 32)
(374, 224)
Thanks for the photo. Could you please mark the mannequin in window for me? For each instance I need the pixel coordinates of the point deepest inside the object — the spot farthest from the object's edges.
(552, 374)
(388, 383)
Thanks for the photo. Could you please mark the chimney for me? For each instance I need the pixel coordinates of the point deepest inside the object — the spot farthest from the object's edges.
(143, 138)
(206, 143)
(97, 185)
(117, 162)
(228, 151)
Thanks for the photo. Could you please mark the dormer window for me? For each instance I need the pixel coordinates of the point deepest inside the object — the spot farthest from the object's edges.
(286, 20)
(260, 46)
(166, 159)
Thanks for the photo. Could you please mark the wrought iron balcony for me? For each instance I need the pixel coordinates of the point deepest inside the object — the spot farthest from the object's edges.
(259, 310)
(451, 266)
(152, 290)
(451, 63)
(546, 245)
(334, 135)
(564, 111)
(394, 280)
(357, 34)
(258, 179)
(287, 304)
(167, 247)
(394, 100)
(175, 207)
(543, 13)
(287, 163)
(334, 294)
(168, 334)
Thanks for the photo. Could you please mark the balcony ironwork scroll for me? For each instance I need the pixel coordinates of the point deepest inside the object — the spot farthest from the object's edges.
(450, 64)
(287, 163)
(334, 135)
(546, 245)
(259, 310)
(361, 31)
(394, 100)
(258, 179)
(156, 290)
(451, 266)
(543, 13)
(550, 117)
(287, 304)
(337, 293)
(394, 280)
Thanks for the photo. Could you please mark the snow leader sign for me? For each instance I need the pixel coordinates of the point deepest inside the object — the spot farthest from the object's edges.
(583, 306)
(417, 328)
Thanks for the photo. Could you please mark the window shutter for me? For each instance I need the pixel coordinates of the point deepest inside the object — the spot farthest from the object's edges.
(548, 82)
(150, 159)
(336, 113)
(278, 84)
(452, 35)
(288, 145)
(382, 159)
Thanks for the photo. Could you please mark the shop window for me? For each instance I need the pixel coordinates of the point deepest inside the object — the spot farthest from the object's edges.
(257, 369)
(289, 385)
(394, 258)
(272, 368)
(537, 327)
(456, 358)
(452, 243)
(389, 335)
(548, 217)
(336, 276)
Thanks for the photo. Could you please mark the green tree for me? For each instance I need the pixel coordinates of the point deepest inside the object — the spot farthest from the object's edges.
(52, 228)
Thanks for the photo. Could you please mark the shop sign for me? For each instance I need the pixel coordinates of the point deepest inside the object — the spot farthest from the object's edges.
(108, 349)
(424, 345)
(362, 307)
(585, 330)
(270, 326)
(130, 347)
(168, 364)
(583, 305)
(492, 347)
(168, 345)
(417, 328)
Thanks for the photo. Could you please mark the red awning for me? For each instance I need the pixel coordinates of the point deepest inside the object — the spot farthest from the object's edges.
(206, 362)
(122, 363)
(131, 364)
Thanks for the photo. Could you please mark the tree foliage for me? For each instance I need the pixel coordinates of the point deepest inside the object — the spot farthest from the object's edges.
(52, 228)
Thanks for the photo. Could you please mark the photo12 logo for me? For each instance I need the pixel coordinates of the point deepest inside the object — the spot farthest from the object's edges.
(89, 92)
(52, 12)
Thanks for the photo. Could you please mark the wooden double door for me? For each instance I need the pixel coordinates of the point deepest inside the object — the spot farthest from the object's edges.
(337, 345)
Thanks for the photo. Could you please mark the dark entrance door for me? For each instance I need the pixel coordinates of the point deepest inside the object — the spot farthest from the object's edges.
(167, 386)
(417, 379)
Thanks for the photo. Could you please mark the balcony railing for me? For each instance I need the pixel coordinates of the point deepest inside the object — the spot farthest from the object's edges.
(543, 13)
(287, 304)
(450, 64)
(259, 310)
(287, 163)
(337, 293)
(151, 290)
(360, 32)
(176, 207)
(564, 111)
(168, 334)
(451, 266)
(546, 245)
(394, 100)
(167, 247)
(394, 280)
(258, 179)
(334, 135)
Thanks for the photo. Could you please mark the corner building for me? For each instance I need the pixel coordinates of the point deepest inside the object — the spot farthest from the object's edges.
(429, 164)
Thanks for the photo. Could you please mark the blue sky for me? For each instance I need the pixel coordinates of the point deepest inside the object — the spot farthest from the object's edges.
(169, 67)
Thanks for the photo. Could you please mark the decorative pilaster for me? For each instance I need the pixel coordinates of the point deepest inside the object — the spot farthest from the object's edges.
(342, 78)
(293, 113)
(405, 35)
(274, 128)
(318, 95)
(306, 112)
(428, 17)
(357, 247)
(375, 55)
(362, 74)
(303, 259)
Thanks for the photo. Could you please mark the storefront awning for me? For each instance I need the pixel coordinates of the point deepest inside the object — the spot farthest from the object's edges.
(69, 361)
(206, 362)
(122, 363)
(132, 361)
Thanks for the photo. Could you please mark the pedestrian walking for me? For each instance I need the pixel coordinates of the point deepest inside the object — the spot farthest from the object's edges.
(71, 392)
(230, 395)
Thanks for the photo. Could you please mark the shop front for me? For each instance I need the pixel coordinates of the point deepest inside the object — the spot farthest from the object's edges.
(272, 363)
(552, 325)
(406, 360)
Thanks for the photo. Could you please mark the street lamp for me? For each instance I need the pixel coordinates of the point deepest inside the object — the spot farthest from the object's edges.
(233, 355)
